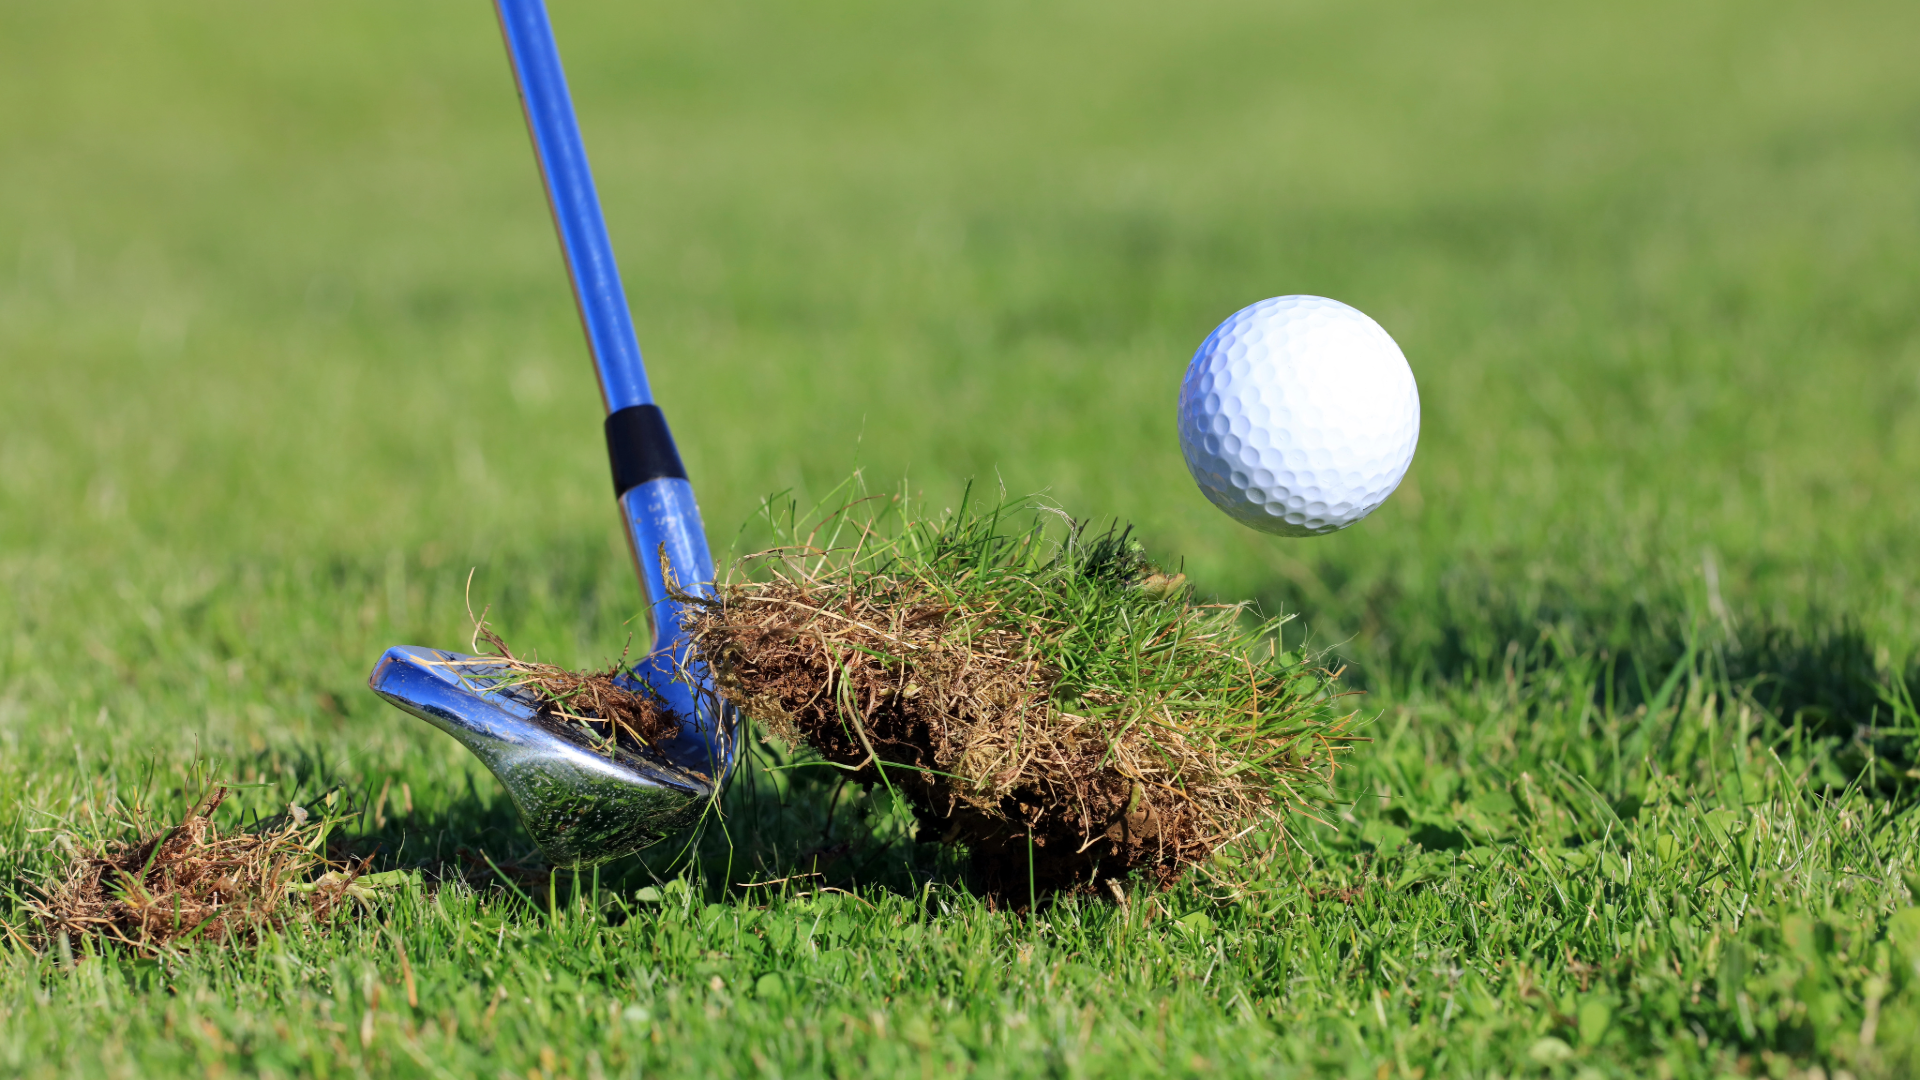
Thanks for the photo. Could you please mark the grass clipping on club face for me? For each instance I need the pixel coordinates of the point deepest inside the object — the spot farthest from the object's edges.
(192, 882)
(605, 709)
(1040, 692)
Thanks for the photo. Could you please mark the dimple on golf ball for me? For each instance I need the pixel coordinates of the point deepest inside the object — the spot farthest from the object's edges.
(1298, 416)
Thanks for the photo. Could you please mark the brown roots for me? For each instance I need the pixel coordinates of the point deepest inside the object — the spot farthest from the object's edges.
(192, 883)
(607, 709)
(958, 708)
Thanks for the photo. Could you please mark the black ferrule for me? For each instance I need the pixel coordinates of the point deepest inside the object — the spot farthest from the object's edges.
(640, 448)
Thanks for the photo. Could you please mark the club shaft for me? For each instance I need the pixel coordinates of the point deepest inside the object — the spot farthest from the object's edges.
(657, 505)
(575, 203)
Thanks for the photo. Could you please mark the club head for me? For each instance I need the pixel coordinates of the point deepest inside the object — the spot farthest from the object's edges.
(582, 804)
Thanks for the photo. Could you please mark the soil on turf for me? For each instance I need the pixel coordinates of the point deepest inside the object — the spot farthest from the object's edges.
(966, 732)
(606, 706)
(909, 734)
(988, 683)
(192, 882)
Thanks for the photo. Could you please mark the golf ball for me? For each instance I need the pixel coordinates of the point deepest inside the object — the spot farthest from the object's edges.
(1298, 416)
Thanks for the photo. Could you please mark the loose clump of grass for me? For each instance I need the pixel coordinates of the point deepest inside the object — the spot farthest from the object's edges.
(1042, 693)
(609, 709)
(192, 882)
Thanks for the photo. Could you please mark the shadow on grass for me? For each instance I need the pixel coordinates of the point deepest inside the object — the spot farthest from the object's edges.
(786, 823)
(791, 824)
(1818, 677)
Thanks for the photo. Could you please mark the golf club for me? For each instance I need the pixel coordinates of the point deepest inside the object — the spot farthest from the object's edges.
(585, 804)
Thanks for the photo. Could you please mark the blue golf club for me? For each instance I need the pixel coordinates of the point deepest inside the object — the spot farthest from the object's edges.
(585, 804)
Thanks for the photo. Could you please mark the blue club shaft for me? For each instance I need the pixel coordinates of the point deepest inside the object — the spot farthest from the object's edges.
(657, 506)
(575, 203)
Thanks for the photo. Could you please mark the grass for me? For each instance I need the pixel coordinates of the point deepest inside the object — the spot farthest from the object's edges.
(287, 352)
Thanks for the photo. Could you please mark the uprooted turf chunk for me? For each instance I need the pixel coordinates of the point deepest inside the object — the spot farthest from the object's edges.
(194, 883)
(1054, 702)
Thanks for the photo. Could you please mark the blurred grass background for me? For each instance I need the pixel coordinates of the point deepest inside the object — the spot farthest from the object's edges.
(283, 286)
(287, 347)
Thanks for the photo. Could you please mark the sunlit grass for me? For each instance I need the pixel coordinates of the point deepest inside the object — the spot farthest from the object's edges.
(286, 351)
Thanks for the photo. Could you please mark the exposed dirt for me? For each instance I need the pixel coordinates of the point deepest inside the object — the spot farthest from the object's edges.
(959, 718)
(192, 883)
(597, 702)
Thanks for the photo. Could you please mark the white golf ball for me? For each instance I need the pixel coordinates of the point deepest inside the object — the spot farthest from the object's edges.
(1298, 416)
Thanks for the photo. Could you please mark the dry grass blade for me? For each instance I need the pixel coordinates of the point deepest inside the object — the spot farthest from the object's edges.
(193, 882)
(1049, 698)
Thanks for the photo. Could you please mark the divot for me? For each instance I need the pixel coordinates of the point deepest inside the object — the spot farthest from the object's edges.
(1047, 697)
(193, 883)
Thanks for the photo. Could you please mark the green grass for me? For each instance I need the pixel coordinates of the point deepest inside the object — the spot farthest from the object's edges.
(286, 350)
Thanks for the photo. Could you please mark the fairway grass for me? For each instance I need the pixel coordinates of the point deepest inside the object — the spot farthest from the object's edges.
(287, 351)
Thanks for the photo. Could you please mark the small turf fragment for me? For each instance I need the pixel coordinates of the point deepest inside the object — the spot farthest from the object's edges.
(191, 882)
(603, 708)
(1041, 693)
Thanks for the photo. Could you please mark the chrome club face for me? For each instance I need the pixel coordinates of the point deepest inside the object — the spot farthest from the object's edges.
(583, 805)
